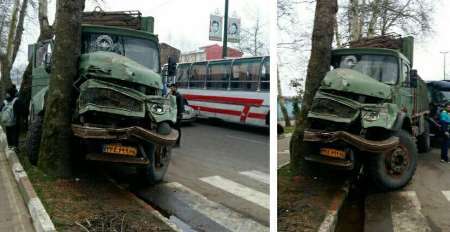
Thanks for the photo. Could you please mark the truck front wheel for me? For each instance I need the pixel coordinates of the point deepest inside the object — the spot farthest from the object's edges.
(394, 169)
(154, 172)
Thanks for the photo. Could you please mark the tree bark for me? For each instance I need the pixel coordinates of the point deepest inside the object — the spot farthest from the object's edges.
(6, 59)
(282, 103)
(46, 33)
(55, 149)
(318, 66)
(354, 20)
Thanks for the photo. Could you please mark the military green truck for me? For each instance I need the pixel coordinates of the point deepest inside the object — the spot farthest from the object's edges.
(370, 112)
(119, 113)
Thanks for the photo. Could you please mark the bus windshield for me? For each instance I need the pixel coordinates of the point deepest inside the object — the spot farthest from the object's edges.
(144, 52)
(379, 67)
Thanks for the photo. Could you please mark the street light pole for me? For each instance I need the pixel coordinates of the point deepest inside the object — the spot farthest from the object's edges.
(225, 32)
(445, 55)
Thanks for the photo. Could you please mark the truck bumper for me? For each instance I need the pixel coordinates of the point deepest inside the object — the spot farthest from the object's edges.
(322, 139)
(89, 132)
(127, 133)
(360, 143)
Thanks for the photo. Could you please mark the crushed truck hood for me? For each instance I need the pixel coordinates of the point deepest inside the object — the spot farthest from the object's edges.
(348, 80)
(114, 66)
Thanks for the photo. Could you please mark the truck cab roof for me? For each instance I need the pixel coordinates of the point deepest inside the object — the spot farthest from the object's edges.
(119, 31)
(371, 51)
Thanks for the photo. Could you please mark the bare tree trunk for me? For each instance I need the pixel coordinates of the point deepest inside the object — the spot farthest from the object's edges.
(282, 103)
(337, 35)
(354, 20)
(46, 33)
(318, 66)
(55, 149)
(6, 59)
(375, 7)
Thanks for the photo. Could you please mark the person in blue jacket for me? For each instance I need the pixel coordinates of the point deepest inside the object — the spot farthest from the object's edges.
(444, 121)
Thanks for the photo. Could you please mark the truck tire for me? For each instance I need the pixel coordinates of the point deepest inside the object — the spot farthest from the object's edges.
(393, 170)
(155, 171)
(34, 139)
(423, 140)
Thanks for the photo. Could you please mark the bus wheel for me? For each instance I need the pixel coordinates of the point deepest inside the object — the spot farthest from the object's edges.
(34, 139)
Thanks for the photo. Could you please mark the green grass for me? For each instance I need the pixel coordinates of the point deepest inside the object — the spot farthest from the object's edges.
(289, 129)
(285, 171)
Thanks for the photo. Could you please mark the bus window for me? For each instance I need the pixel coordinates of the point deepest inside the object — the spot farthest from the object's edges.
(218, 77)
(197, 76)
(265, 76)
(182, 75)
(245, 75)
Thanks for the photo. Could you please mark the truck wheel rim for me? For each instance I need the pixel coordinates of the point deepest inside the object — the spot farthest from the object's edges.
(398, 161)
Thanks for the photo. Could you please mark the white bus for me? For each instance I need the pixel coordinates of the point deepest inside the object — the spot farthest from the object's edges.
(233, 90)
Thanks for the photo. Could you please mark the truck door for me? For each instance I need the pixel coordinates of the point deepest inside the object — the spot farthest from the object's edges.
(41, 63)
(405, 93)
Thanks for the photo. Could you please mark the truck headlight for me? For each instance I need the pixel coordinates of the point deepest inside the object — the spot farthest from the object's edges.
(158, 109)
(371, 116)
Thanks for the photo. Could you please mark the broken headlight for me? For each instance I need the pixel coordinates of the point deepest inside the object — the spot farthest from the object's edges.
(159, 109)
(371, 116)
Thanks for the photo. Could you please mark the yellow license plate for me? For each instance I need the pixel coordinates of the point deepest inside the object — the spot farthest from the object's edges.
(332, 153)
(119, 149)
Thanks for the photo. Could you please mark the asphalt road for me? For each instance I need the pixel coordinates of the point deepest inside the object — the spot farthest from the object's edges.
(218, 180)
(423, 205)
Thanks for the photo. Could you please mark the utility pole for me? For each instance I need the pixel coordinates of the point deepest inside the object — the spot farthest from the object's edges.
(445, 55)
(225, 32)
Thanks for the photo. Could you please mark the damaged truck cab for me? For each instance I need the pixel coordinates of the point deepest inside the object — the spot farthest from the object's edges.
(368, 114)
(119, 112)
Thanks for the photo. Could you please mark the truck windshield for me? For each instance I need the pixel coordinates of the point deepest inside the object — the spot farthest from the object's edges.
(442, 96)
(379, 67)
(142, 51)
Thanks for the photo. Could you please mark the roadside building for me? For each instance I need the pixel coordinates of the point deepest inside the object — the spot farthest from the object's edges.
(167, 51)
(211, 52)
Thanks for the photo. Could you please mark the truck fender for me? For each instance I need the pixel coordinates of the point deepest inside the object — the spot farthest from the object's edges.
(402, 122)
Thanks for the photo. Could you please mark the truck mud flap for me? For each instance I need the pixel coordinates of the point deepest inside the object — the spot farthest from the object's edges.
(89, 132)
(360, 143)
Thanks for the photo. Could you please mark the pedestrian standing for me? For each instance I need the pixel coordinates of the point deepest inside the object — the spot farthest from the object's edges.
(444, 120)
(8, 118)
(180, 110)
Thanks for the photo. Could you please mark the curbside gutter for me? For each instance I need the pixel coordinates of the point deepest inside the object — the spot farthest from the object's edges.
(331, 217)
(146, 206)
(41, 220)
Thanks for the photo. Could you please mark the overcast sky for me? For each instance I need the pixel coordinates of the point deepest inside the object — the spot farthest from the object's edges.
(427, 57)
(180, 23)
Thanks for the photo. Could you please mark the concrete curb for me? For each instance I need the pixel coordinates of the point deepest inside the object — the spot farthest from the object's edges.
(330, 221)
(282, 136)
(147, 207)
(41, 220)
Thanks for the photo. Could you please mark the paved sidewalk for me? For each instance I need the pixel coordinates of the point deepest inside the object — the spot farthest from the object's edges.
(14, 214)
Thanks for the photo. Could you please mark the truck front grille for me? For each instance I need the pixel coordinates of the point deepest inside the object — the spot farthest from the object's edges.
(330, 107)
(103, 97)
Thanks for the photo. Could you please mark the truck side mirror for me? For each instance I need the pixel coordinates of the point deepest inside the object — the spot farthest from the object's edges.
(30, 53)
(48, 62)
(171, 67)
(413, 76)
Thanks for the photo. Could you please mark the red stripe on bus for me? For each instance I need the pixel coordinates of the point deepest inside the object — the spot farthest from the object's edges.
(226, 100)
(257, 116)
(228, 112)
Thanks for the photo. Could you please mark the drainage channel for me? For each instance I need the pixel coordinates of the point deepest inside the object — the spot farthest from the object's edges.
(351, 215)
